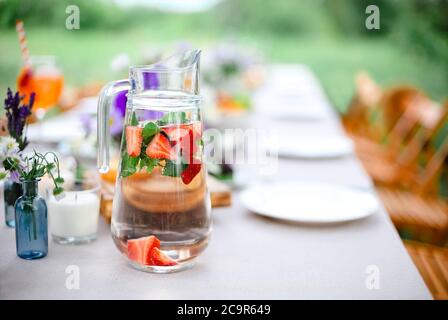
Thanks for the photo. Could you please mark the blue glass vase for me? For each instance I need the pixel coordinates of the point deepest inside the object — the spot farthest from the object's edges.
(11, 191)
(31, 223)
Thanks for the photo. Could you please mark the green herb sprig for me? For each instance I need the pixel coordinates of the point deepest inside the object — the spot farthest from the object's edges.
(37, 165)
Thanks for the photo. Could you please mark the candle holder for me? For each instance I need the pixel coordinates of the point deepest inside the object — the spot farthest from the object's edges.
(74, 218)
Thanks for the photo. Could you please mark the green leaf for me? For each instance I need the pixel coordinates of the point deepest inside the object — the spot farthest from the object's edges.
(134, 120)
(149, 131)
(173, 169)
(128, 165)
(3, 175)
(173, 117)
(151, 165)
(57, 191)
(59, 180)
(148, 163)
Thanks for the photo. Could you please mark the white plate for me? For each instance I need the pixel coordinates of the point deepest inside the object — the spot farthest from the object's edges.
(55, 130)
(291, 107)
(314, 148)
(309, 202)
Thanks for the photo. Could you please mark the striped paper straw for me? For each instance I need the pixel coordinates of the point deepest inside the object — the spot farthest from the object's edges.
(22, 41)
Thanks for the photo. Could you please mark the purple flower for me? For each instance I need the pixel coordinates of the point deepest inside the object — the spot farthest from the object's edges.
(152, 115)
(183, 46)
(86, 121)
(120, 102)
(116, 122)
(17, 115)
(150, 80)
(14, 176)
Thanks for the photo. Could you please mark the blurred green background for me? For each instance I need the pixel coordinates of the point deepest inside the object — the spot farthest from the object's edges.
(328, 35)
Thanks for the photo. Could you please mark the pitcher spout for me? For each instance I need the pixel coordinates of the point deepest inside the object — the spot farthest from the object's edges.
(183, 60)
(179, 72)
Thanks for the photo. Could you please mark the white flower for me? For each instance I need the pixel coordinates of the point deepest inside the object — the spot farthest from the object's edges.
(8, 147)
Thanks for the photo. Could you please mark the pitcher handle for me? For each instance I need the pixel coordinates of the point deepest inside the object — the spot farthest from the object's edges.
(105, 100)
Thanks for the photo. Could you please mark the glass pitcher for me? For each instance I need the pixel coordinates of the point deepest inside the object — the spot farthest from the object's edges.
(161, 207)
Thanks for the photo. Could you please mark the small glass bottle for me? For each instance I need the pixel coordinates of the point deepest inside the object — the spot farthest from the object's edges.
(11, 192)
(31, 223)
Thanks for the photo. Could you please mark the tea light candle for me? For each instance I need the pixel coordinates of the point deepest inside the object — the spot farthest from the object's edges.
(74, 218)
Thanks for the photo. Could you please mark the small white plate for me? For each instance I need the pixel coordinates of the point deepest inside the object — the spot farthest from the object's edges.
(55, 130)
(314, 148)
(291, 107)
(309, 202)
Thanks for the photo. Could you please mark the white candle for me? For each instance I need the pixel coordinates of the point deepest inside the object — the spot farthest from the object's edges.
(75, 215)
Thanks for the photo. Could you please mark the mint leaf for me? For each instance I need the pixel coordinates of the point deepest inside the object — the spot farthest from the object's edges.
(134, 120)
(128, 165)
(148, 162)
(173, 169)
(151, 164)
(173, 117)
(149, 131)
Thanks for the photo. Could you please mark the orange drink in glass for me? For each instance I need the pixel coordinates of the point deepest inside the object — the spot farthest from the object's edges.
(45, 79)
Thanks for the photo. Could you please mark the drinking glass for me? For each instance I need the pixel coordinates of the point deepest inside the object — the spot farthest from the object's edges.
(45, 79)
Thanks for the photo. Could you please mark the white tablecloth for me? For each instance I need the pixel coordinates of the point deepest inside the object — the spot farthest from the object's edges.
(249, 257)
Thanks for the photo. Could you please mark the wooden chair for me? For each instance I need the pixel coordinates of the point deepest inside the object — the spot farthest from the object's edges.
(395, 163)
(413, 201)
(357, 119)
(432, 263)
(403, 101)
(372, 117)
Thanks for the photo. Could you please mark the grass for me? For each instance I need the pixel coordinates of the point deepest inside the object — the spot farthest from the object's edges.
(85, 56)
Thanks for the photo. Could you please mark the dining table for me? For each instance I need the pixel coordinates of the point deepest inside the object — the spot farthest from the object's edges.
(249, 256)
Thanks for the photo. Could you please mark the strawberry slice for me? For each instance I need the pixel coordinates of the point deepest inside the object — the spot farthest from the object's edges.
(190, 172)
(195, 135)
(188, 146)
(185, 136)
(134, 139)
(140, 249)
(151, 243)
(135, 250)
(176, 133)
(160, 148)
(197, 130)
(161, 259)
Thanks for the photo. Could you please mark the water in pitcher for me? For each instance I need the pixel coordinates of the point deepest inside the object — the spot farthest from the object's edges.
(161, 188)
(161, 208)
